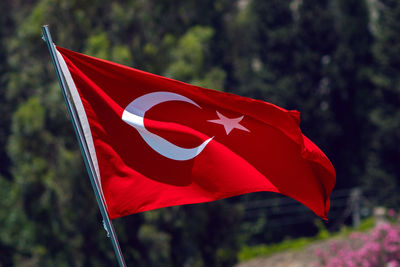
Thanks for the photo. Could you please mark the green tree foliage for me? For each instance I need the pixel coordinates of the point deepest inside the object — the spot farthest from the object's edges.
(351, 89)
(190, 55)
(335, 61)
(265, 46)
(5, 108)
(382, 168)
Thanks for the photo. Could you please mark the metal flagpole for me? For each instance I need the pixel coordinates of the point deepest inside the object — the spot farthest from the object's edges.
(84, 148)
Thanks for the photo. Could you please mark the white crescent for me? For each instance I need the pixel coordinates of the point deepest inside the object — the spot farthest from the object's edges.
(134, 115)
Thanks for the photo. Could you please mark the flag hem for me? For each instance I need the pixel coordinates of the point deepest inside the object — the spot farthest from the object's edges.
(82, 117)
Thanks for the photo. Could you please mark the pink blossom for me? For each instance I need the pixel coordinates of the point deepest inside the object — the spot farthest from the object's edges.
(380, 247)
(391, 213)
(393, 263)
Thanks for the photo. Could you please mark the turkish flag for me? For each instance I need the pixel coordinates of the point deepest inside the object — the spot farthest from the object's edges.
(158, 142)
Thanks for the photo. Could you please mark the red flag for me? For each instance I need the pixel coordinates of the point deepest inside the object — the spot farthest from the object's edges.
(157, 142)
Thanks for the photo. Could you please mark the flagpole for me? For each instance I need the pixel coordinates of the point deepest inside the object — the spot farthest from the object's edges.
(84, 148)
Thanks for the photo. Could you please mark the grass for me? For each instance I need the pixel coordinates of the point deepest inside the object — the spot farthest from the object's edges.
(247, 252)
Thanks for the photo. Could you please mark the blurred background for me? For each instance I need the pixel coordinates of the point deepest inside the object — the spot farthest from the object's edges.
(337, 62)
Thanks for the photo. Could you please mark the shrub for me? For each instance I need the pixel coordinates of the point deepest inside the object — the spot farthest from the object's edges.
(379, 247)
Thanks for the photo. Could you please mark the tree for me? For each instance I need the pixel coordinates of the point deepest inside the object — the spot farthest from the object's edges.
(5, 108)
(350, 90)
(382, 170)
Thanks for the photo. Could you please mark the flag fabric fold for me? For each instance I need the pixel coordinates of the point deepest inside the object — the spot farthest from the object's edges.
(157, 142)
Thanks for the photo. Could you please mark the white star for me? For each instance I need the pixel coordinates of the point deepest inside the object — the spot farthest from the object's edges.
(229, 124)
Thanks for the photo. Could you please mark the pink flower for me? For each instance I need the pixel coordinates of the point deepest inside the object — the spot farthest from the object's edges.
(319, 253)
(380, 247)
(333, 247)
(393, 263)
(391, 213)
